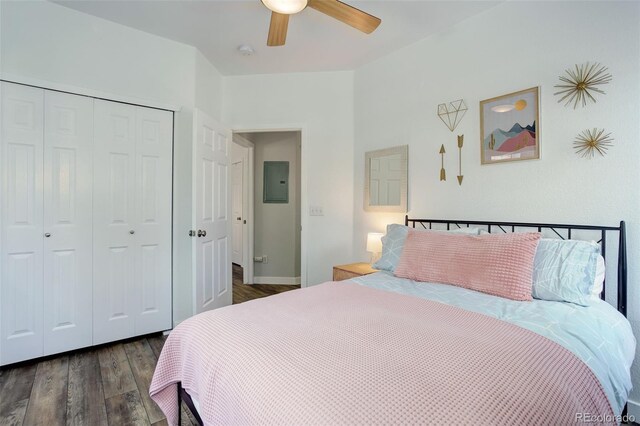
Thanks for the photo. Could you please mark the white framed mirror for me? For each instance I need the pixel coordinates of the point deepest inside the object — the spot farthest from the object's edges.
(385, 180)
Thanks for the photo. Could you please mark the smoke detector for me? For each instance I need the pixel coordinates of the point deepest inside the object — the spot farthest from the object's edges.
(246, 50)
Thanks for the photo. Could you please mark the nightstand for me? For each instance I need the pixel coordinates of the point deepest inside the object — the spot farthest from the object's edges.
(352, 270)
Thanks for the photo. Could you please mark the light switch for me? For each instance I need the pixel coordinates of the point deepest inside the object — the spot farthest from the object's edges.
(316, 211)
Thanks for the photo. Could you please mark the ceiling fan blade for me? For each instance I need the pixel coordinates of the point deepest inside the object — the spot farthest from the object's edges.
(347, 14)
(278, 29)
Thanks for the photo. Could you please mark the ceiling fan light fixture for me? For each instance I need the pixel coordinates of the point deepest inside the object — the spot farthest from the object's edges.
(285, 7)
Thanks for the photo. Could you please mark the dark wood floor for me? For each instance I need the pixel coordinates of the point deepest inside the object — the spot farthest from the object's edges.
(107, 385)
(244, 292)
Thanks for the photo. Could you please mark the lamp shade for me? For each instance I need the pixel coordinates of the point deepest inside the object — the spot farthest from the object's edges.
(374, 242)
(286, 7)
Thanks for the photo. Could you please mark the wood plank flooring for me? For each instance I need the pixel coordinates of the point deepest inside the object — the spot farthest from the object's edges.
(245, 292)
(106, 385)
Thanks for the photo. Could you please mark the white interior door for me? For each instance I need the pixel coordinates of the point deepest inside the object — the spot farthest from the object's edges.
(68, 176)
(247, 209)
(212, 211)
(21, 237)
(237, 215)
(154, 130)
(114, 247)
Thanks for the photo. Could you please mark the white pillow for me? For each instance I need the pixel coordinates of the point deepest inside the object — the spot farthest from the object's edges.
(598, 281)
(565, 271)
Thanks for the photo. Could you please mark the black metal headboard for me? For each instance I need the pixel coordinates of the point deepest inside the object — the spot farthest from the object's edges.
(554, 228)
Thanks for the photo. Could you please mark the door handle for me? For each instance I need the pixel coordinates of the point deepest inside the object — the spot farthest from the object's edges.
(132, 232)
(192, 233)
(202, 233)
(238, 218)
(47, 235)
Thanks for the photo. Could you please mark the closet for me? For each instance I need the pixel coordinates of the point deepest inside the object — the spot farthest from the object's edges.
(131, 221)
(85, 221)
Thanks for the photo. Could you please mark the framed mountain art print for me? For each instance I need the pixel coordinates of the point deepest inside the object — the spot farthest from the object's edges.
(510, 127)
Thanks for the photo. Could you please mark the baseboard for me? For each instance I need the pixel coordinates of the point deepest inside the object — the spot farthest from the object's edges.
(633, 409)
(277, 280)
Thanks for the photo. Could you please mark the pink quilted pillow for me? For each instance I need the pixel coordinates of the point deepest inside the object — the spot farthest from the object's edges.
(498, 264)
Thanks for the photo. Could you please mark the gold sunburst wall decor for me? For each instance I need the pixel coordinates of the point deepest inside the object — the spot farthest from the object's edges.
(590, 141)
(579, 83)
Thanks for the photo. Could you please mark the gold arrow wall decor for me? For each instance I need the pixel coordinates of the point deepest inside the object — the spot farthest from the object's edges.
(460, 143)
(443, 173)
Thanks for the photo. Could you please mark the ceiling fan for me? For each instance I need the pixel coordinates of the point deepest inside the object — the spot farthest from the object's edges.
(281, 9)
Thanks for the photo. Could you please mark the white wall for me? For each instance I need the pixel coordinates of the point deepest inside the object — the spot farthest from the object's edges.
(45, 41)
(511, 47)
(276, 225)
(321, 104)
(208, 87)
(51, 42)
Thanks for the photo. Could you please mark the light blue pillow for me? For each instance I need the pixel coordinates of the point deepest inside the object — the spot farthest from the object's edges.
(564, 270)
(393, 243)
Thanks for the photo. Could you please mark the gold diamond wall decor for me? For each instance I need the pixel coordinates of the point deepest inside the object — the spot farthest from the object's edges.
(578, 85)
(590, 141)
(451, 114)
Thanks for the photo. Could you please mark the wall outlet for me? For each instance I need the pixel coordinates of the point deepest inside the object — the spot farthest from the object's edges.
(316, 211)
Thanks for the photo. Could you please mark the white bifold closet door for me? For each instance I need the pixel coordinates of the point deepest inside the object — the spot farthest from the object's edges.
(68, 173)
(21, 298)
(132, 221)
(45, 297)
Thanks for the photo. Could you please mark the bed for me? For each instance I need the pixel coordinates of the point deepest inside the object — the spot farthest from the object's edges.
(386, 349)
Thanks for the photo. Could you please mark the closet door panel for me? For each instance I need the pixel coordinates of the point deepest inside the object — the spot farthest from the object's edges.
(154, 131)
(21, 227)
(114, 245)
(68, 144)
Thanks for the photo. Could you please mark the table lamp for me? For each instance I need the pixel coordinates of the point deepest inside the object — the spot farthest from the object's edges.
(374, 245)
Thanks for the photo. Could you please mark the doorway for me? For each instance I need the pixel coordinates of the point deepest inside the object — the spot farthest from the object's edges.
(266, 202)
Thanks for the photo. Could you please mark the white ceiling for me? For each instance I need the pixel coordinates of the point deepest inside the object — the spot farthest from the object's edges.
(315, 42)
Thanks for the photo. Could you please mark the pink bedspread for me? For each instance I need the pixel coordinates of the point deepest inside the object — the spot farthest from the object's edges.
(341, 353)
